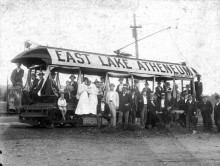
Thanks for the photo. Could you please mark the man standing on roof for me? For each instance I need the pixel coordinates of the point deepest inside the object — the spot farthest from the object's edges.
(17, 75)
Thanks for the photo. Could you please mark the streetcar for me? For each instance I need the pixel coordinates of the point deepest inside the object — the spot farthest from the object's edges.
(44, 110)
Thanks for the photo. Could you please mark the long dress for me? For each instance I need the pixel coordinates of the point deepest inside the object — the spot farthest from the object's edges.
(93, 99)
(83, 104)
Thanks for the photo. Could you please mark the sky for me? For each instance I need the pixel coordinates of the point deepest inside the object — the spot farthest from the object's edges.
(104, 26)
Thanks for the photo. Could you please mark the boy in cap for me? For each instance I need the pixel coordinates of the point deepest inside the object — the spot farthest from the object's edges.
(217, 112)
(112, 99)
(62, 105)
(206, 111)
(124, 106)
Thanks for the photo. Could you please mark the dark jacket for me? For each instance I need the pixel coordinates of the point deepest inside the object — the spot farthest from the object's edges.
(169, 103)
(75, 88)
(134, 102)
(206, 107)
(179, 105)
(198, 88)
(158, 91)
(148, 90)
(152, 107)
(141, 102)
(39, 86)
(190, 108)
(16, 77)
(117, 89)
(217, 113)
(34, 85)
(124, 99)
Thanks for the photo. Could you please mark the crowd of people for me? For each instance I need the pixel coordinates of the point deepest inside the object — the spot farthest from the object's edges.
(122, 105)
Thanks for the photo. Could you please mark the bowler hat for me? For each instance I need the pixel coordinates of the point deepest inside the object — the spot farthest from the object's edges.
(41, 73)
(72, 76)
(146, 83)
(120, 79)
(112, 84)
(217, 96)
(96, 81)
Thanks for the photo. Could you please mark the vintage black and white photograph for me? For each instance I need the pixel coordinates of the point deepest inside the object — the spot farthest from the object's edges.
(109, 83)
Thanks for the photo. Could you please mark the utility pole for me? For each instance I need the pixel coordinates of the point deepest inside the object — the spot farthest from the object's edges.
(135, 36)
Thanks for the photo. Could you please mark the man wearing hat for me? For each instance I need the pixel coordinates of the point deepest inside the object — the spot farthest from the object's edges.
(74, 84)
(120, 86)
(169, 103)
(147, 89)
(198, 88)
(152, 108)
(158, 91)
(17, 75)
(34, 82)
(112, 99)
(39, 84)
(187, 91)
(190, 110)
(217, 113)
(124, 106)
(206, 111)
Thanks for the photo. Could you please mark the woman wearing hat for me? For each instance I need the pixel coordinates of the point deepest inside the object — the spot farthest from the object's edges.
(217, 113)
(83, 104)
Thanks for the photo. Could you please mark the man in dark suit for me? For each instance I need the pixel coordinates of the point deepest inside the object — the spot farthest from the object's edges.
(120, 86)
(187, 91)
(134, 106)
(179, 104)
(17, 75)
(206, 111)
(143, 108)
(169, 103)
(190, 109)
(198, 88)
(152, 108)
(74, 85)
(158, 91)
(124, 106)
(40, 83)
(217, 113)
(34, 82)
(147, 89)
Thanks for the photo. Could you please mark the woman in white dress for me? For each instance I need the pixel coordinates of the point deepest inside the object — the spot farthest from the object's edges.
(93, 99)
(83, 104)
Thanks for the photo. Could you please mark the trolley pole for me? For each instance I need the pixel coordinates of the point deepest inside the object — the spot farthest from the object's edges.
(135, 35)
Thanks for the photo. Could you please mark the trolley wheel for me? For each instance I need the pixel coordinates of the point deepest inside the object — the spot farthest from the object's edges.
(49, 124)
(62, 124)
(73, 124)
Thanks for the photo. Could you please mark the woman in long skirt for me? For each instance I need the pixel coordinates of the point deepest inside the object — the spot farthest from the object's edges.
(83, 104)
(93, 99)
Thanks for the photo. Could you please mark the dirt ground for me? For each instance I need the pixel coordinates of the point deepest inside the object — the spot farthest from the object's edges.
(25, 145)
